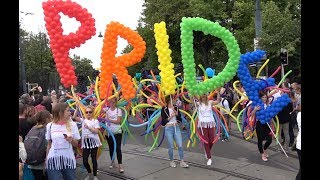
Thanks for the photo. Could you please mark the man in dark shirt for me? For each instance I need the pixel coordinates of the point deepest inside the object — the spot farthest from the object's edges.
(24, 125)
(284, 119)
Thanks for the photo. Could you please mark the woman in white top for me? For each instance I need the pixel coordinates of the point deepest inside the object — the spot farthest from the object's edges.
(61, 134)
(298, 144)
(114, 116)
(90, 141)
(169, 116)
(207, 122)
(22, 157)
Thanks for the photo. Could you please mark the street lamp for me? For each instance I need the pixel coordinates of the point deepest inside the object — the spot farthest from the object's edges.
(100, 35)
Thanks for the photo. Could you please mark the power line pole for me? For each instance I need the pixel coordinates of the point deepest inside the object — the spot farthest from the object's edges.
(257, 20)
(258, 30)
(21, 60)
(21, 55)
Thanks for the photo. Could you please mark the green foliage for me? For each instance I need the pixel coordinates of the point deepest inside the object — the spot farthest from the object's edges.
(38, 59)
(40, 66)
(84, 71)
(281, 27)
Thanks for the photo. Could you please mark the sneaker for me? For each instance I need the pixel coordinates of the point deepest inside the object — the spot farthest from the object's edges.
(223, 140)
(121, 170)
(173, 164)
(183, 164)
(88, 177)
(290, 145)
(112, 165)
(209, 162)
(95, 178)
(265, 154)
(264, 158)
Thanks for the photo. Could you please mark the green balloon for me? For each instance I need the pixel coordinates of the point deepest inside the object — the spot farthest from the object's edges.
(187, 26)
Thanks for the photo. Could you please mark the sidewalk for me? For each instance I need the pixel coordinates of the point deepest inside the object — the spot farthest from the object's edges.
(139, 164)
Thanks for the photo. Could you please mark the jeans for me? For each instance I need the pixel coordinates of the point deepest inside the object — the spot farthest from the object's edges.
(285, 128)
(68, 174)
(223, 134)
(291, 132)
(173, 132)
(39, 175)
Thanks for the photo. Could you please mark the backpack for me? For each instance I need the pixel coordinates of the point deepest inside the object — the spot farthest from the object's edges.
(35, 144)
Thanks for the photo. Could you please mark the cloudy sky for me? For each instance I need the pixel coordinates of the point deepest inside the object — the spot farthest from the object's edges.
(126, 12)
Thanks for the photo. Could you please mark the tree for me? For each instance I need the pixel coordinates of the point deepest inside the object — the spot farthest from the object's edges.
(84, 69)
(40, 66)
(208, 50)
(38, 59)
(236, 16)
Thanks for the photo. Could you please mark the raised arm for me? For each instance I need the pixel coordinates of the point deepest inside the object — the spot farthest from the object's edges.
(256, 108)
(75, 117)
(217, 101)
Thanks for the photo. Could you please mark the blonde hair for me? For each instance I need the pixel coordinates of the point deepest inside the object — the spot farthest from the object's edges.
(90, 107)
(58, 114)
(205, 101)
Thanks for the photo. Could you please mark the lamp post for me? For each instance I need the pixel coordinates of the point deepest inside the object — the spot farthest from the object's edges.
(22, 65)
(100, 35)
(21, 56)
(258, 30)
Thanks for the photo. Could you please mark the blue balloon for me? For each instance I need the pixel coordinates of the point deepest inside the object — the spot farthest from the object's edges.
(138, 75)
(210, 72)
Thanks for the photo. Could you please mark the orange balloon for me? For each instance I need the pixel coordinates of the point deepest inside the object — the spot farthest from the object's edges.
(117, 65)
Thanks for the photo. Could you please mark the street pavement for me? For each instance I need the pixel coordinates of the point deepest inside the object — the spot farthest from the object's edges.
(232, 160)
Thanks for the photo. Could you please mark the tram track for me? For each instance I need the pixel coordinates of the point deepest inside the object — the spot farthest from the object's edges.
(201, 166)
(192, 164)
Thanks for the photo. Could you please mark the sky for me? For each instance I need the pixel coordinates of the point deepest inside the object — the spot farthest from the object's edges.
(126, 12)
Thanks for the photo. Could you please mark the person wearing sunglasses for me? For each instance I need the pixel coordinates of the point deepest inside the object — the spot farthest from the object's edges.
(90, 141)
(114, 116)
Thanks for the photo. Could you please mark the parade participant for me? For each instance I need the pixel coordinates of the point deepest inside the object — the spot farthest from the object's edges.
(24, 124)
(284, 119)
(298, 143)
(22, 157)
(114, 117)
(169, 115)
(62, 134)
(262, 130)
(226, 106)
(207, 122)
(42, 118)
(90, 141)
